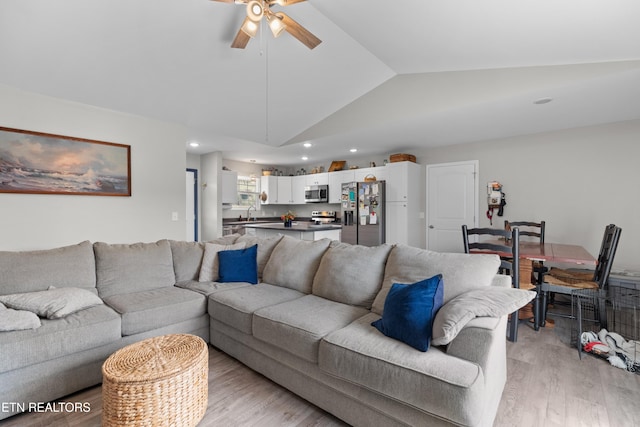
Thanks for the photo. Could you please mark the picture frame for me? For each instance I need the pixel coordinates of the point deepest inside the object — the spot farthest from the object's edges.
(43, 163)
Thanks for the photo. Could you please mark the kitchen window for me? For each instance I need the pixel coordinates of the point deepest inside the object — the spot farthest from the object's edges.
(248, 193)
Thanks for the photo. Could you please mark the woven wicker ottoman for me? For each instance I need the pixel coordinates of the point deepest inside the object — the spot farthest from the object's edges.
(160, 381)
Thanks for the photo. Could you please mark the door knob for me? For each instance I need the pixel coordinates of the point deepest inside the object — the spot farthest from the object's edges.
(431, 226)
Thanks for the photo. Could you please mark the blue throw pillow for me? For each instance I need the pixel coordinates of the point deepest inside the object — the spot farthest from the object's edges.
(409, 311)
(239, 265)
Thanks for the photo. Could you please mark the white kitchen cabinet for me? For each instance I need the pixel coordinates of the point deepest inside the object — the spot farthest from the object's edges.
(335, 184)
(229, 187)
(317, 178)
(405, 222)
(269, 185)
(403, 181)
(297, 189)
(290, 190)
(284, 190)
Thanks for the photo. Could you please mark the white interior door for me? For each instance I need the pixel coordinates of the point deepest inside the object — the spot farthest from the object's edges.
(191, 206)
(452, 200)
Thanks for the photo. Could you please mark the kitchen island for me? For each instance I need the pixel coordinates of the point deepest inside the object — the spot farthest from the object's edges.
(298, 230)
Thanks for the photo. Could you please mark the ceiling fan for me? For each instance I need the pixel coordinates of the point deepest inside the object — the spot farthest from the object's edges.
(278, 22)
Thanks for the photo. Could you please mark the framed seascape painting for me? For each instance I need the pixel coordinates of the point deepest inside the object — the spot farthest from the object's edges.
(41, 163)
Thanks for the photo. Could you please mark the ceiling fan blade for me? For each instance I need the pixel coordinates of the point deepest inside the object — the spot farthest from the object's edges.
(298, 31)
(284, 2)
(241, 40)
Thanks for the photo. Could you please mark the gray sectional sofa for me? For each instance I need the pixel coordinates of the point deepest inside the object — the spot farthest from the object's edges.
(306, 324)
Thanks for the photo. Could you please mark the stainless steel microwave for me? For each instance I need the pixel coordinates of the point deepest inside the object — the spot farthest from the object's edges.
(316, 194)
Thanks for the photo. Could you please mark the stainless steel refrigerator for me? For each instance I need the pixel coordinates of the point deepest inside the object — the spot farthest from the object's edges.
(363, 215)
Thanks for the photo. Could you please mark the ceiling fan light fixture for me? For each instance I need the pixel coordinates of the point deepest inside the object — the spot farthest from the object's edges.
(275, 24)
(255, 10)
(250, 27)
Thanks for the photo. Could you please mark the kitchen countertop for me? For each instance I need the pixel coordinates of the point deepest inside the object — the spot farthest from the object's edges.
(296, 226)
(244, 222)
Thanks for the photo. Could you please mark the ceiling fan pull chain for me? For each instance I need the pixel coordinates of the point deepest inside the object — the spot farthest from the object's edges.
(266, 95)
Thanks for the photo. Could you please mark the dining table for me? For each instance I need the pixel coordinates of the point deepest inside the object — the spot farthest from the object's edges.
(556, 252)
(548, 252)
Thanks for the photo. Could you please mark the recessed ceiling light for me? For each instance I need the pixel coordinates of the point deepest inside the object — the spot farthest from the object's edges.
(543, 101)
(353, 150)
(194, 144)
(305, 158)
(307, 144)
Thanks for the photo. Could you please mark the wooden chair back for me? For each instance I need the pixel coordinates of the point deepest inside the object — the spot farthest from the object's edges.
(606, 255)
(527, 228)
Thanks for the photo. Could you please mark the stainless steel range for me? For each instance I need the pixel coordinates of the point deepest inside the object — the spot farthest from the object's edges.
(323, 217)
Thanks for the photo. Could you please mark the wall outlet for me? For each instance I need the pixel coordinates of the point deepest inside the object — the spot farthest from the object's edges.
(174, 216)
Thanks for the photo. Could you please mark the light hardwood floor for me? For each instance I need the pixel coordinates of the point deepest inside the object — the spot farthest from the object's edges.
(547, 385)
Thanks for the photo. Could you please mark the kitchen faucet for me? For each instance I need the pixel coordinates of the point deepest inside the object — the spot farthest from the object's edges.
(249, 212)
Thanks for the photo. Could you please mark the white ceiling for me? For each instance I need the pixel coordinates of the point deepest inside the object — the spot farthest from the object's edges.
(389, 76)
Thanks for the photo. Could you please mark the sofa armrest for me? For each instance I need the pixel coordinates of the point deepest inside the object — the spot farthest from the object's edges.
(482, 341)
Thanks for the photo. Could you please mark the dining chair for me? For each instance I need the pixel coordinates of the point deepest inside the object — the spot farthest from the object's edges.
(563, 281)
(509, 258)
(534, 230)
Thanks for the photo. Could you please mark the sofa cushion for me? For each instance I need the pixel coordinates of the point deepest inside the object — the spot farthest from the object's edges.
(460, 272)
(155, 308)
(53, 303)
(266, 245)
(29, 271)
(128, 268)
(446, 386)
(209, 270)
(490, 302)
(351, 274)
(293, 263)
(208, 288)
(235, 307)
(239, 265)
(84, 330)
(409, 311)
(17, 320)
(298, 326)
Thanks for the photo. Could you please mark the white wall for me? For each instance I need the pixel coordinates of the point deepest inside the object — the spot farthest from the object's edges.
(32, 221)
(577, 180)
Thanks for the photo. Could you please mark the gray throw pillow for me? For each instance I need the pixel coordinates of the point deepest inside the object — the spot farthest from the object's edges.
(17, 320)
(54, 303)
(486, 302)
(209, 270)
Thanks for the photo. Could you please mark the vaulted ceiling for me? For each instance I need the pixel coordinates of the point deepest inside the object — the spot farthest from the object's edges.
(387, 77)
